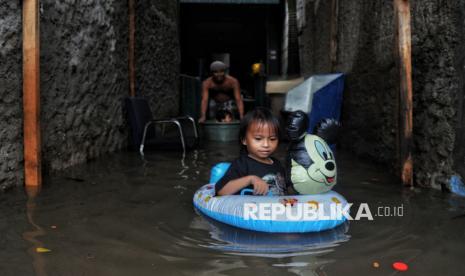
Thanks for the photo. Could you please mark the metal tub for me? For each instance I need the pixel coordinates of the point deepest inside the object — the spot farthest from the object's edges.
(223, 132)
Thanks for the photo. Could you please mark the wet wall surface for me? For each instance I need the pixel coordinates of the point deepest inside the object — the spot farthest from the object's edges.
(366, 53)
(365, 41)
(158, 55)
(438, 92)
(122, 215)
(11, 150)
(84, 78)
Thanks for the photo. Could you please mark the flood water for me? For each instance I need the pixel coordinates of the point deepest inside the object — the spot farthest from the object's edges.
(122, 215)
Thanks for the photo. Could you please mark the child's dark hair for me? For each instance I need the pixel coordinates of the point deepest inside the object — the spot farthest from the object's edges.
(222, 113)
(261, 116)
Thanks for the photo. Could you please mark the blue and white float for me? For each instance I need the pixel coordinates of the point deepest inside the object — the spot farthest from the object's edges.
(244, 211)
(227, 238)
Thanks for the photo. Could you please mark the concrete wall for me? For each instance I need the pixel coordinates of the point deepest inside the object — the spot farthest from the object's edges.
(459, 65)
(437, 76)
(158, 55)
(365, 53)
(11, 148)
(84, 77)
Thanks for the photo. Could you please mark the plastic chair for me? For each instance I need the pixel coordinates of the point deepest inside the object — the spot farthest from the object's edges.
(141, 119)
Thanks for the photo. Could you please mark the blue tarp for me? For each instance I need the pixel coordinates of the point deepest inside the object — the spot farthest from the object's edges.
(320, 96)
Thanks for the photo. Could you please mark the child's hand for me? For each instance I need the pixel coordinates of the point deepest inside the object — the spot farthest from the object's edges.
(260, 187)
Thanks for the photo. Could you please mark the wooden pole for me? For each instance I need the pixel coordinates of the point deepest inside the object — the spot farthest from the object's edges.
(132, 24)
(333, 34)
(403, 34)
(31, 94)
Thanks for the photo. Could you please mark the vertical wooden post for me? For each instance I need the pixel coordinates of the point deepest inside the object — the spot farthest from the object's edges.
(403, 35)
(31, 94)
(333, 34)
(131, 46)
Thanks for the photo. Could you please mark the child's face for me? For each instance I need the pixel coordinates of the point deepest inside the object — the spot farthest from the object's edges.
(227, 118)
(261, 141)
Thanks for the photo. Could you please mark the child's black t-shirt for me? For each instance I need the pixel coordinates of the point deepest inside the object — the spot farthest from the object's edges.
(273, 174)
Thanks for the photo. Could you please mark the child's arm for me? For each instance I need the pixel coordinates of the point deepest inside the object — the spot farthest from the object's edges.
(260, 187)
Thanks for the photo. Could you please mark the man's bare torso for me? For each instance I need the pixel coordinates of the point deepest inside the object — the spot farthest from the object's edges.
(224, 91)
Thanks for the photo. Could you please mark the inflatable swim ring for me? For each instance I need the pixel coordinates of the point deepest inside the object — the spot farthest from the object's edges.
(230, 209)
(233, 239)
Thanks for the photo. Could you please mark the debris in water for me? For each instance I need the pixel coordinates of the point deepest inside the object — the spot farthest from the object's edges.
(400, 266)
(42, 250)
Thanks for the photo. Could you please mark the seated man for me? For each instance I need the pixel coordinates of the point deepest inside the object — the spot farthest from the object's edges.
(223, 91)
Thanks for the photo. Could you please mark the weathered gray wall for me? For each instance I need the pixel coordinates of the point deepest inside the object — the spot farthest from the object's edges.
(83, 80)
(158, 55)
(84, 77)
(435, 39)
(11, 148)
(366, 53)
(459, 62)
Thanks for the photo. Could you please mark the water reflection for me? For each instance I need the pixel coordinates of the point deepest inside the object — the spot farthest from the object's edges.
(238, 241)
(38, 261)
(121, 216)
(148, 161)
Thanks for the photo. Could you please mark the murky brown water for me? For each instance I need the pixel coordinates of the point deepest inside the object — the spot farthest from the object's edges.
(121, 215)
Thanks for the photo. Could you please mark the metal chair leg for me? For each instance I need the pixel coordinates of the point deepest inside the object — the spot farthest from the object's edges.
(181, 134)
(194, 125)
(163, 129)
(174, 121)
(142, 143)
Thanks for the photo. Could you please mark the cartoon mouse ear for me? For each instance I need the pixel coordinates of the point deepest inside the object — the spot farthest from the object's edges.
(297, 124)
(328, 130)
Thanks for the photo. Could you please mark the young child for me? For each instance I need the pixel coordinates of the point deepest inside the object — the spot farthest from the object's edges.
(224, 116)
(255, 168)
